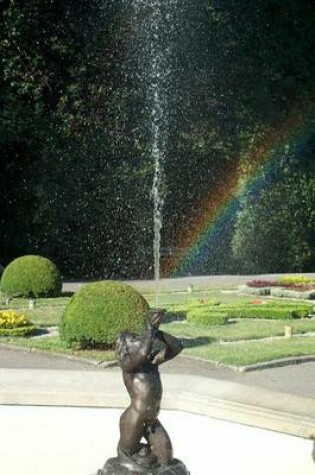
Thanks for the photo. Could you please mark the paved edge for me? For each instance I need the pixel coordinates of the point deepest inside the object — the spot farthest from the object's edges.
(279, 363)
(249, 405)
(54, 354)
(289, 361)
(292, 360)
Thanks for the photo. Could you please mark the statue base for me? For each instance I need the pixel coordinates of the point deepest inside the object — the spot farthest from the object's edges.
(114, 466)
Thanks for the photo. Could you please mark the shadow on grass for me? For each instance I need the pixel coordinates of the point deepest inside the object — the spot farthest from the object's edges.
(197, 341)
(39, 331)
(176, 316)
(67, 294)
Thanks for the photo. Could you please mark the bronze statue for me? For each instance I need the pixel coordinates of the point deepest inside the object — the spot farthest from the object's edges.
(139, 358)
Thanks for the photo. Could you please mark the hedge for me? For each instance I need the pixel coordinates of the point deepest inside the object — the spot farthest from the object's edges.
(266, 311)
(205, 317)
(20, 331)
(31, 276)
(98, 312)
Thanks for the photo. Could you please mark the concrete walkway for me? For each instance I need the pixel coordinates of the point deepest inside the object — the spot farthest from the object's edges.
(248, 404)
(196, 386)
(77, 441)
(293, 379)
(63, 417)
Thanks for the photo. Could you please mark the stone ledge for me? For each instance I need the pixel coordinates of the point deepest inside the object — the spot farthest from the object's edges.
(218, 399)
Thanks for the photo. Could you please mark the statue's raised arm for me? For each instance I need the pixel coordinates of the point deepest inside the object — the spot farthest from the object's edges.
(173, 346)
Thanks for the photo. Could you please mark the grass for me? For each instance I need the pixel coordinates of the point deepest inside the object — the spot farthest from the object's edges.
(242, 354)
(196, 298)
(200, 340)
(55, 345)
(45, 317)
(244, 329)
(40, 302)
(48, 343)
(46, 313)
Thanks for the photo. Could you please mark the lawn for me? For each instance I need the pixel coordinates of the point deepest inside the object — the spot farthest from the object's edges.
(53, 344)
(21, 303)
(238, 343)
(183, 298)
(242, 354)
(45, 316)
(244, 329)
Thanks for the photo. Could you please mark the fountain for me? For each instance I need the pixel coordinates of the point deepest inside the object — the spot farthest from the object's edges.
(217, 426)
(137, 356)
(153, 57)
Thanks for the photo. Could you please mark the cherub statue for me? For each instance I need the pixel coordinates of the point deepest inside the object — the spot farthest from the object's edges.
(139, 360)
(139, 365)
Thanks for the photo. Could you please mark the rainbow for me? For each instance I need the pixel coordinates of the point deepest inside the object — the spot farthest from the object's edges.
(217, 209)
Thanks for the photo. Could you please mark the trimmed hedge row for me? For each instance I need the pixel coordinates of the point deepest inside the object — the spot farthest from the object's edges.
(206, 317)
(284, 313)
(19, 331)
(208, 314)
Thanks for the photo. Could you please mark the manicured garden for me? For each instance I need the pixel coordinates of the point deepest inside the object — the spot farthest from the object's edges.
(298, 287)
(225, 327)
(238, 341)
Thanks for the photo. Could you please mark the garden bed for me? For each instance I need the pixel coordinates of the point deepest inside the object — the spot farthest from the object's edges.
(296, 287)
(222, 320)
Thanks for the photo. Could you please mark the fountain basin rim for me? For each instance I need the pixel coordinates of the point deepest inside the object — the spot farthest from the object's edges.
(239, 403)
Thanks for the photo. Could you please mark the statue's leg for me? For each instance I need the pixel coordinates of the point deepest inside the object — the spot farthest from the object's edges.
(159, 442)
(131, 430)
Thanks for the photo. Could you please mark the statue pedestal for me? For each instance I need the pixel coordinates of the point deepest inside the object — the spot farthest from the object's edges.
(113, 466)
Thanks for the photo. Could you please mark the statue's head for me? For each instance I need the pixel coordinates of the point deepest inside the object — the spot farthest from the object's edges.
(127, 343)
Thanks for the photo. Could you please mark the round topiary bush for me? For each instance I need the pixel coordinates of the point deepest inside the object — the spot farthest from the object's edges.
(98, 312)
(31, 276)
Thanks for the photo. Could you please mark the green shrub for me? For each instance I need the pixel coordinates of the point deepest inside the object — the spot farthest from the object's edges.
(263, 311)
(16, 332)
(98, 312)
(14, 324)
(270, 310)
(206, 317)
(31, 276)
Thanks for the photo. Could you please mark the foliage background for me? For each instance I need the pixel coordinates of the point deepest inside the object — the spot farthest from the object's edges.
(76, 174)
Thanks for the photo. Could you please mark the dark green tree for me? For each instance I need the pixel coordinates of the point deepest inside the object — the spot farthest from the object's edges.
(75, 141)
